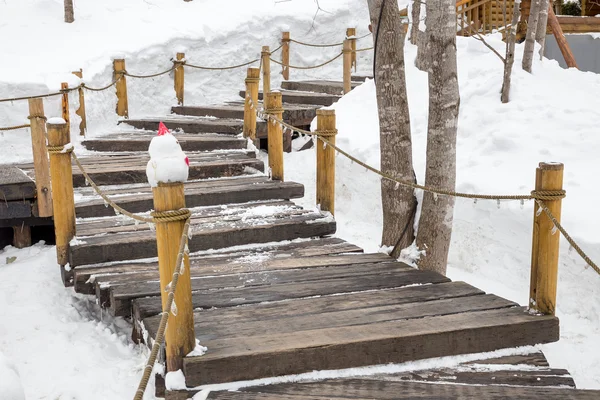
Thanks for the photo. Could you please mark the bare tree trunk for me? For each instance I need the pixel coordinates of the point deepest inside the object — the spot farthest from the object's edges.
(69, 13)
(435, 225)
(416, 19)
(423, 52)
(399, 204)
(532, 24)
(510, 51)
(540, 33)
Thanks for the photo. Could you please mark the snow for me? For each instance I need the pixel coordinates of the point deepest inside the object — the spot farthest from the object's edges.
(56, 121)
(57, 335)
(175, 380)
(10, 383)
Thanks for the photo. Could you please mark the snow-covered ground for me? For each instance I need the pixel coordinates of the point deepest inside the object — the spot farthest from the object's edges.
(59, 343)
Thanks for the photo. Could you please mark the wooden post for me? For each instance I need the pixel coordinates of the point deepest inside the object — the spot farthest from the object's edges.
(179, 79)
(351, 36)
(65, 107)
(22, 236)
(62, 191)
(563, 45)
(326, 160)
(41, 164)
(347, 50)
(266, 67)
(251, 103)
(81, 110)
(285, 55)
(274, 106)
(118, 71)
(544, 255)
(179, 336)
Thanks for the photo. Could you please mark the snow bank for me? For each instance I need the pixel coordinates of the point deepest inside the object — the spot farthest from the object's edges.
(10, 383)
(552, 116)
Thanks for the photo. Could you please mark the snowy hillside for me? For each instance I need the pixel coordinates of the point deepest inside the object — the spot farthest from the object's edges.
(57, 338)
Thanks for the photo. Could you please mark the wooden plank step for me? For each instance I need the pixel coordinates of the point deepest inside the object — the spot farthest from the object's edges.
(231, 297)
(361, 78)
(318, 86)
(121, 295)
(401, 340)
(221, 261)
(197, 195)
(130, 168)
(292, 96)
(212, 233)
(295, 114)
(251, 270)
(15, 184)
(140, 141)
(190, 124)
(381, 389)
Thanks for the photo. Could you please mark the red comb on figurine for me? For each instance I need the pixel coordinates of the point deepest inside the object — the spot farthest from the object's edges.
(162, 129)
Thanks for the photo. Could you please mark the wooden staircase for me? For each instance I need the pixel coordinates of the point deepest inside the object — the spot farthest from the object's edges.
(274, 293)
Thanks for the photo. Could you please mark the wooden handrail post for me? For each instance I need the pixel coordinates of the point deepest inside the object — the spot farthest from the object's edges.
(119, 71)
(180, 336)
(65, 107)
(266, 68)
(326, 160)
(347, 50)
(81, 110)
(251, 102)
(62, 189)
(544, 255)
(179, 79)
(273, 105)
(351, 36)
(41, 164)
(285, 55)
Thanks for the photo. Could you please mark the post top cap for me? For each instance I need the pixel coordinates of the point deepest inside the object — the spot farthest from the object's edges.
(325, 111)
(551, 166)
(56, 121)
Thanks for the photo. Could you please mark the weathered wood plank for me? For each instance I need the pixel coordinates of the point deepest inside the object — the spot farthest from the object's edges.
(140, 142)
(222, 261)
(245, 358)
(230, 297)
(199, 197)
(121, 295)
(131, 246)
(15, 184)
(190, 124)
(318, 86)
(288, 322)
(289, 96)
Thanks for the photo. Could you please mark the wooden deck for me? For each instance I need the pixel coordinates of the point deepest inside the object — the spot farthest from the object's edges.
(274, 292)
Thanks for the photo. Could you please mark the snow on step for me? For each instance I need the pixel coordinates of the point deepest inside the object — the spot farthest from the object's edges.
(190, 124)
(318, 86)
(139, 141)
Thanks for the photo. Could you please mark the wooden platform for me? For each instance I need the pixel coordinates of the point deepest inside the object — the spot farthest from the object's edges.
(522, 376)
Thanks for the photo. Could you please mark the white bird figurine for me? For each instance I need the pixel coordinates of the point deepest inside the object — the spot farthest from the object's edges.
(168, 163)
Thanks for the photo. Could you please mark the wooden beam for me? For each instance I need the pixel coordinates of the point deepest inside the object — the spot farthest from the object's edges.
(41, 163)
(563, 45)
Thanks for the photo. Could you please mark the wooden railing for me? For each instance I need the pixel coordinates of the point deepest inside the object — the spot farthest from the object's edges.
(473, 16)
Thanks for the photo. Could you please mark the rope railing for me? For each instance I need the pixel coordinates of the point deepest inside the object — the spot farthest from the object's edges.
(187, 64)
(310, 67)
(14, 128)
(329, 44)
(538, 195)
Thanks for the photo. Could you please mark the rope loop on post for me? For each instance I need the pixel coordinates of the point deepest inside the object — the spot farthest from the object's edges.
(42, 117)
(252, 80)
(548, 195)
(327, 133)
(66, 149)
(171, 216)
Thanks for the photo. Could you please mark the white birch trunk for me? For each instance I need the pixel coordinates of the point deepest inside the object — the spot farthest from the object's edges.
(399, 204)
(540, 34)
(69, 13)
(510, 52)
(435, 225)
(532, 24)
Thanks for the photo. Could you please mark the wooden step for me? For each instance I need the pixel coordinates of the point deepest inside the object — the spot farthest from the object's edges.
(197, 194)
(243, 260)
(295, 114)
(140, 141)
(292, 96)
(129, 168)
(114, 239)
(190, 124)
(361, 78)
(122, 293)
(319, 86)
(15, 184)
(381, 389)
